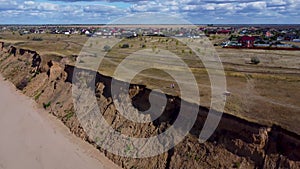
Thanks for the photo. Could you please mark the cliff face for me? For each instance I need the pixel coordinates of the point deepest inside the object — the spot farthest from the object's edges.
(235, 144)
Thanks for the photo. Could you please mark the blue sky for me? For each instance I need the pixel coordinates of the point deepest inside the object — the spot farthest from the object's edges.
(105, 11)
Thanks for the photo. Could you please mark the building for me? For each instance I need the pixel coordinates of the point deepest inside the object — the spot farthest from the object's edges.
(247, 41)
(223, 31)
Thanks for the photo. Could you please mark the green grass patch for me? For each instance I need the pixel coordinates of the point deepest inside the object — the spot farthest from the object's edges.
(37, 96)
(128, 149)
(69, 114)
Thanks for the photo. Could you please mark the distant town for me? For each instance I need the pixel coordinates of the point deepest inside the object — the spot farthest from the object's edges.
(239, 36)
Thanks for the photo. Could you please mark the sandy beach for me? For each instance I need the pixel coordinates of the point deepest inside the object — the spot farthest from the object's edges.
(30, 138)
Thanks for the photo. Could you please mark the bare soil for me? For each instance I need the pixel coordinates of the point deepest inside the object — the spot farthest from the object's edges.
(32, 139)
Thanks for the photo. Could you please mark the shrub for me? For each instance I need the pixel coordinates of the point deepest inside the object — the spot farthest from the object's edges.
(106, 48)
(37, 39)
(236, 165)
(46, 105)
(23, 83)
(97, 139)
(125, 45)
(127, 149)
(255, 60)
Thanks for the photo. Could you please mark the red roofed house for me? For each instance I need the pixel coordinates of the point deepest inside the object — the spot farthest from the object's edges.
(223, 31)
(247, 41)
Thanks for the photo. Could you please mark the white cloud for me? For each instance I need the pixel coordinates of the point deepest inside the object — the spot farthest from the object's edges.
(209, 10)
(29, 3)
(210, 7)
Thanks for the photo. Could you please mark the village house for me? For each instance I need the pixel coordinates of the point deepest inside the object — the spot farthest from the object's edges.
(247, 41)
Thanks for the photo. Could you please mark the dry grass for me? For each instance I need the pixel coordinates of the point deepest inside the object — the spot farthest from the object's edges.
(267, 93)
(50, 43)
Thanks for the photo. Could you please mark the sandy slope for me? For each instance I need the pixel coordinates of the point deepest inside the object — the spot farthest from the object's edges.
(32, 139)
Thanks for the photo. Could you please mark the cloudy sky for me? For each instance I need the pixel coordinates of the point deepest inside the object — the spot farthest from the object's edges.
(105, 11)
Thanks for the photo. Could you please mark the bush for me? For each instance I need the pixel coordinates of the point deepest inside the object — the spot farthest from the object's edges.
(255, 60)
(46, 105)
(106, 48)
(126, 45)
(37, 39)
(237, 165)
(23, 83)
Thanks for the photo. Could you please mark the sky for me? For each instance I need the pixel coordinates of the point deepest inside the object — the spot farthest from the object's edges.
(106, 11)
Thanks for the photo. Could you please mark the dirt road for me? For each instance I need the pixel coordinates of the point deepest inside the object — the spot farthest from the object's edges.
(32, 139)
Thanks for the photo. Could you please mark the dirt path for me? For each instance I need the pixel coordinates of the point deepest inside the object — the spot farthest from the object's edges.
(32, 139)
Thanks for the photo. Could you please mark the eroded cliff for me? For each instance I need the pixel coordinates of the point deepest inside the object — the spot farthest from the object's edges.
(236, 143)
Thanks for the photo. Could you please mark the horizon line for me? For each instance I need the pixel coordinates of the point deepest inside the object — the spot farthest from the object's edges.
(11, 24)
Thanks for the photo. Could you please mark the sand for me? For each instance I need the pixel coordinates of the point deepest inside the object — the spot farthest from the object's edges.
(30, 138)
